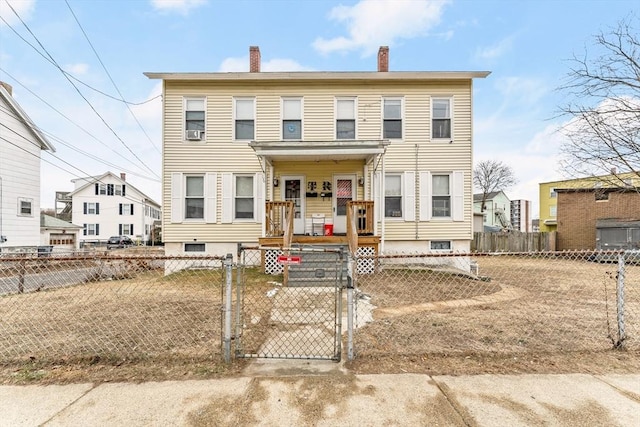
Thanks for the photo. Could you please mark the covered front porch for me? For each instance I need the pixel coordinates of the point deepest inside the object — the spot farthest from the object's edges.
(320, 192)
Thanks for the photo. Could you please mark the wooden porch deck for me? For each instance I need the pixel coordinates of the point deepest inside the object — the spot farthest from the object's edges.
(278, 241)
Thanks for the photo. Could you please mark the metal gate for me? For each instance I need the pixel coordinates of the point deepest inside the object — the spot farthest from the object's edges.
(288, 304)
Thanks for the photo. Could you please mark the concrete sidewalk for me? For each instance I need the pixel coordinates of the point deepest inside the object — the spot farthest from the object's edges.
(319, 394)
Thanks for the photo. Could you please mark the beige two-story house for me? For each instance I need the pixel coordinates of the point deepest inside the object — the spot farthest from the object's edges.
(381, 160)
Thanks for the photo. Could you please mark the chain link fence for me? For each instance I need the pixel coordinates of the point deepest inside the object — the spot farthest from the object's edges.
(103, 306)
(497, 303)
(119, 305)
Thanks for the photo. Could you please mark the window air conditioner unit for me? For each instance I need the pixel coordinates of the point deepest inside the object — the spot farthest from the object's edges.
(194, 135)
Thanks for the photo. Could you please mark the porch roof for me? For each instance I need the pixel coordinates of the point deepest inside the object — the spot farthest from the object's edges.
(319, 150)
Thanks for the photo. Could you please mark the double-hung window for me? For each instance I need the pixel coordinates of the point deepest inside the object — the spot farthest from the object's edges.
(244, 197)
(244, 116)
(392, 118)
(91, 229)
(194, 115)
(393, 196)
(126, 209)
(194, 197)
(441, 198)
(126, 229)
(441, 118)
(91, 208)
(292, 118)
(346, 118)
(25, 207)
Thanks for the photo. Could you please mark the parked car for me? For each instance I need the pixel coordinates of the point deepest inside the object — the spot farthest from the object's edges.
(119, 242)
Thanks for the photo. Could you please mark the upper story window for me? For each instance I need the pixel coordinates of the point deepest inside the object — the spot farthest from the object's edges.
(292, 118)
(441, 118)
(441, 199)
(392, 118)
(552, 193)
(101, 189)
(126, 208)
(194, 115)
(553, 210)
(393, 196)
(243, 197)
(244, 117)
(91, 208)
(346, 118)
(194, 197)
(25, 207)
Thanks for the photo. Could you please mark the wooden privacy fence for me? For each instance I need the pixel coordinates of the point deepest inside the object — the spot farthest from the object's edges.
(513, 241)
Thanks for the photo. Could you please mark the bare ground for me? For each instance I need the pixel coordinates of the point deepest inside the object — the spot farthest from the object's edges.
(525, 315)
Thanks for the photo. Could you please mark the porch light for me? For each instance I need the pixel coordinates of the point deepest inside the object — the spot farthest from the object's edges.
(361, 182)
(276, 182)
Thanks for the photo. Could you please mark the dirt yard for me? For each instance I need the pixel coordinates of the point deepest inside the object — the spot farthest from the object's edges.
(523, 315)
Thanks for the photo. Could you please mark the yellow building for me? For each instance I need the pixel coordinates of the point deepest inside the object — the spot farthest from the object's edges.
(549, 201)
(392, 148)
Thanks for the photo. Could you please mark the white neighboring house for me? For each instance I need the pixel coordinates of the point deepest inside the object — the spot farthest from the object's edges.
(108, 206)
(21, 143)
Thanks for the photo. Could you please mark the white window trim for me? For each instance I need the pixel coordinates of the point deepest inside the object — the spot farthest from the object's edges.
(282, 118)
(255, 213)
(228, 198)
(451, 118)
(456, 192)
(255, 122)
(27, 200)
(335, 116)
(184, 118)
(402, 117)
(402, 198)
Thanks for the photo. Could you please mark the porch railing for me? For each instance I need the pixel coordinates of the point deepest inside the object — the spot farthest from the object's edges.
(278, 218)
(362, 211)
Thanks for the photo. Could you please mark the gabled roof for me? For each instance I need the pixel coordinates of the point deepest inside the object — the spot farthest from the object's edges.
(48, 221)
(478, 197)
(308, 76)
(24, 118)
(91, 180)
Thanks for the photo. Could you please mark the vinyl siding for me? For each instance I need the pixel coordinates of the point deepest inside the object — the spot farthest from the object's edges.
(219, 153)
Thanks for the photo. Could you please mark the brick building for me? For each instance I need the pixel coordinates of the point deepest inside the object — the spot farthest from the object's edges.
(579, 210)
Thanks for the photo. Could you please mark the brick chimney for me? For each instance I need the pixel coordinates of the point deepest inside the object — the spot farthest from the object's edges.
(123, 176)
(7, 87)
(254, 59)
(383, 59)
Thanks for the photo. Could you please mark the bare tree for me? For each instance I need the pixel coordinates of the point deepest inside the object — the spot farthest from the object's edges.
(603, 104)
(490, 176)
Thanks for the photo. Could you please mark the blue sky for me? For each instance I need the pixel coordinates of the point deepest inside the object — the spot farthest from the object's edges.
(107, 45)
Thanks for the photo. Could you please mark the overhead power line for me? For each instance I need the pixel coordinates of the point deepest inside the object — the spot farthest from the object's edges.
(110, 78)
(71, 76)
(119, 154)
(81, 94)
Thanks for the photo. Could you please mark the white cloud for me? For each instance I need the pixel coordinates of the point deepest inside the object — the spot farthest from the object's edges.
(180, 6)
(372, 23)
(77, 69)
(231, 65)
(496, 50)
(24, 8)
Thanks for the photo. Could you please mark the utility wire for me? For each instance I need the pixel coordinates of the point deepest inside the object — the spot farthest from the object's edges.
(81, 94)
(110, 78)
(87, 177)
(70, 120)
(72, 76)
(71, 146)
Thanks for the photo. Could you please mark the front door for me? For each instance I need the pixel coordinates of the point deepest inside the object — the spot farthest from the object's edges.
(344, 187)
(293, 186)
